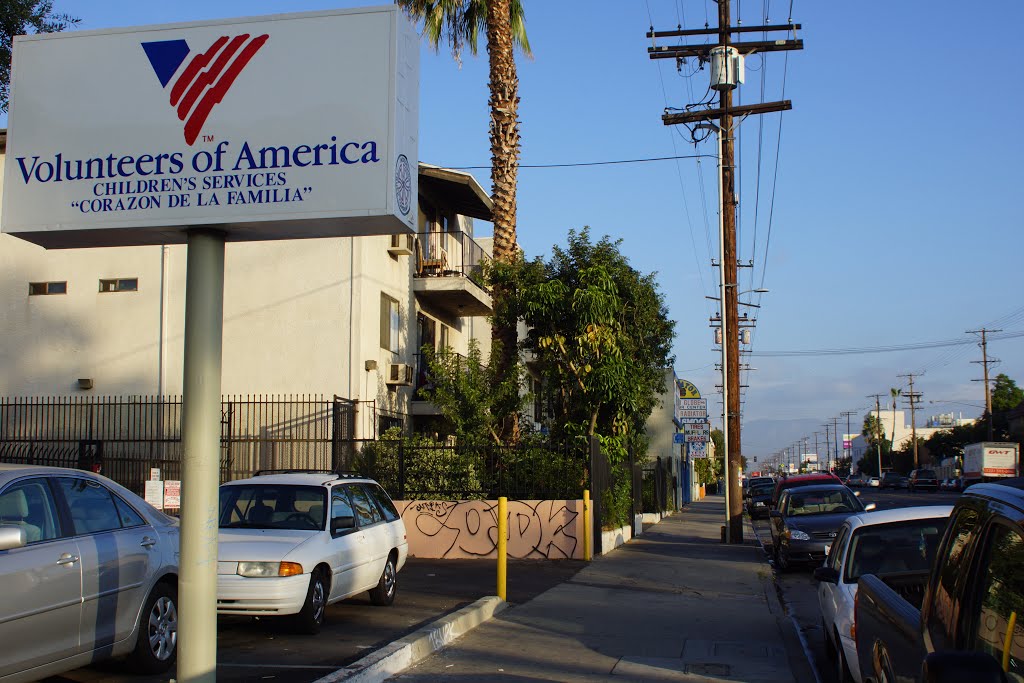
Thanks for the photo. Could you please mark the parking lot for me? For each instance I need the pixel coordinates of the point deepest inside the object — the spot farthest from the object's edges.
(264, 649)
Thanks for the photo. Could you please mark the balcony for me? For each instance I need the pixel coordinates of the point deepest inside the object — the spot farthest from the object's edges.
(448, 274)
(420, 405)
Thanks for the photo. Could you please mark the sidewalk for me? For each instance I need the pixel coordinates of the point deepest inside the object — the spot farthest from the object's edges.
(672, 605)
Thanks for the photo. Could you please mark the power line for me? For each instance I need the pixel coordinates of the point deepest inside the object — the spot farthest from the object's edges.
(882, 349)
(576, 164)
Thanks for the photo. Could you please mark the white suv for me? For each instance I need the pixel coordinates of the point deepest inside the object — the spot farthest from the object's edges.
(293, 542)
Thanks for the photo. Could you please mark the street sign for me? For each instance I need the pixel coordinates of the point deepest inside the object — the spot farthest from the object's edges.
(172, 494)
(678, 438)
(694, 404)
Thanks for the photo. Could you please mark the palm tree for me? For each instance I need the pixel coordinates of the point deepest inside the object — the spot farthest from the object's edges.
(895, 394)
(460, 21)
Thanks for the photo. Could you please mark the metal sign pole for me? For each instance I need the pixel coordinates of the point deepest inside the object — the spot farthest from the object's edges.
(200, 437)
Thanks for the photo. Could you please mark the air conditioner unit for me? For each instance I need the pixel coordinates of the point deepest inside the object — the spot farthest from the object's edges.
(399, 374)
(401, 245)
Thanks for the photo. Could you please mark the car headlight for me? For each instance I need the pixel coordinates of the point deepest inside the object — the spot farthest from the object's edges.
(759, 504)
(797, 535)
(258, 570)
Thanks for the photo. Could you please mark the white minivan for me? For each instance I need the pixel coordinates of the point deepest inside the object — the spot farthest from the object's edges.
(293, 542)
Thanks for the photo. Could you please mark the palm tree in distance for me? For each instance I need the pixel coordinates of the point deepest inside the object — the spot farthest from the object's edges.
(460, 22)
(895, 394)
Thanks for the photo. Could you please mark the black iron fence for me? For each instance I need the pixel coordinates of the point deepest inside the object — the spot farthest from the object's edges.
(124, 436)
(658, 486)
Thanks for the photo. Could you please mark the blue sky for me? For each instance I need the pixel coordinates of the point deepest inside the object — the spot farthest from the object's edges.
(894, 217)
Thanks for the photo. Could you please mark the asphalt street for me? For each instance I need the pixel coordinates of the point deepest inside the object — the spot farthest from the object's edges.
(251, 649)
(798, 590)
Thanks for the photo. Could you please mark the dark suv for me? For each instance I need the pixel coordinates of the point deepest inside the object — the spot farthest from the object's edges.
(923, 479)
(890, 480)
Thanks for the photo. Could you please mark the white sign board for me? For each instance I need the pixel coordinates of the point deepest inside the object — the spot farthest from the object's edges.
(697, 450)
(154, 493)
(697, 438)
(699, 413)
(277, 127)
(172, 494)
(154, 474)
(694, 404)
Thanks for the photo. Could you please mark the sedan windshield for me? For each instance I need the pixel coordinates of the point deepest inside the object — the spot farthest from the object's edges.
(822, 503)
(272, 506)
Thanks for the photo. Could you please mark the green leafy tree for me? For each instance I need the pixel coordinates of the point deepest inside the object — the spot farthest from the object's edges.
(461, 22)
(1006, 395)
(19, 17)
(471, 396)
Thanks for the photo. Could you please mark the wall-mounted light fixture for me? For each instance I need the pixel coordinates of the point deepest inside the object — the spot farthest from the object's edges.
(85, 383)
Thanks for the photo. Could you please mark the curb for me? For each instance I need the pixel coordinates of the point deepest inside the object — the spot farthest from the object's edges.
(395, 657)
(802, 668)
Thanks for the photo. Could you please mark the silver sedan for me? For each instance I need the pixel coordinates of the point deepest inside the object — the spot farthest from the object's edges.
(89, 571)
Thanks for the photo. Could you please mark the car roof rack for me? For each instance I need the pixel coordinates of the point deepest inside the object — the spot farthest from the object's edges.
(343, 474)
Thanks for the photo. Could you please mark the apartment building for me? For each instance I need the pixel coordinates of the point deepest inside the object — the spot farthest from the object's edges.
(340, 317)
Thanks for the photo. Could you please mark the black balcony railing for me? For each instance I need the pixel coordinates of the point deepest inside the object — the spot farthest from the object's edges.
(449, 254)
(423, 379)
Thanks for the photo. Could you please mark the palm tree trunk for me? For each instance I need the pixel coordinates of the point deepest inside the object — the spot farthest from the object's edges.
(504, 134)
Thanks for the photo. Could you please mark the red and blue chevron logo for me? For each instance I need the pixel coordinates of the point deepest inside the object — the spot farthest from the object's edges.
(205, 80)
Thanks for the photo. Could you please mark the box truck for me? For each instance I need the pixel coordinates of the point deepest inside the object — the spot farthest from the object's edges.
(989, 460)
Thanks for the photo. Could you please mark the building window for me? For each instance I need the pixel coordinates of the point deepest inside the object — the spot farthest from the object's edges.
(130, 284)
(41, 288)
(390, 323)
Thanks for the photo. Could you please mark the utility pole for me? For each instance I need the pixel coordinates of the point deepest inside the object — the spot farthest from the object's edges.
(828, 442)
(835, 438)
(847, 414)
(816, 443)
(878, 437)
(726, 62)
(985, 363)
(914, 399)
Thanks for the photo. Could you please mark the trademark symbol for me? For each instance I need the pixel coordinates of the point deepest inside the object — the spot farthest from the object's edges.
(207, 138)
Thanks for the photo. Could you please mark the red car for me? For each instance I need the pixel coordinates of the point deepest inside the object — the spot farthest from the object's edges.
(802, 480)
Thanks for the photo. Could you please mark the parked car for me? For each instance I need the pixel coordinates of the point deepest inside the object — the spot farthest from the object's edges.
(895, 545)
(756, 481)
(889, 480)
(807, 520)
(904, 482)
(800, 480)
(874, 482)
(89, 571)
(758, 498)
(973, 594)
(924, 480)
(293, 542)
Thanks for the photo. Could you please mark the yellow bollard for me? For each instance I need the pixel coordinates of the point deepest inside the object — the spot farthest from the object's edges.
(502, 546)
(586, 526)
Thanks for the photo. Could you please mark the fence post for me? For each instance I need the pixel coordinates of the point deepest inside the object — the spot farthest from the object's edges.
(502, 546)
(587, 523)
(401, 469)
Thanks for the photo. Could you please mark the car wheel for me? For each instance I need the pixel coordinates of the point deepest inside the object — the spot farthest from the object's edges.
(830, 648)
(384, 594)
(781, 559)
(157, 645)
(311, 617)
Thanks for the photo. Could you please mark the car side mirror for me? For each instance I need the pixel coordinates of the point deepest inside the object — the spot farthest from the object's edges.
(826, 574)
(961, 667)
(340, 524)
(12, 537)
(869, 507)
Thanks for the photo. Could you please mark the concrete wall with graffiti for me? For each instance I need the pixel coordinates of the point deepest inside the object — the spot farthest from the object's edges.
(537, 529)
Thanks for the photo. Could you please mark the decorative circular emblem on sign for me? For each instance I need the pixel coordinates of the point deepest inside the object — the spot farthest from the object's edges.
(403, 184)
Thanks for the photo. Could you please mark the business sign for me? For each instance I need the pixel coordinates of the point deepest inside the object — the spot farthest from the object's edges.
(687, 389)
(697, 438)
(687, 421)
(694, 404)
(699, 413)
(278, 127)
(846, 444)
(697, 450)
